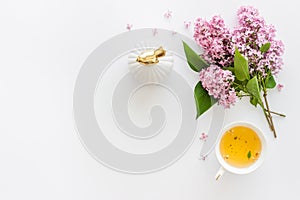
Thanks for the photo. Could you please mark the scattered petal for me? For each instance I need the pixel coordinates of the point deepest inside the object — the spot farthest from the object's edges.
(203, 157)
(154, 31)
(168, 14)
(280, 87)
(203, 136)
(129, 27)
(174, 32)
(187, 24)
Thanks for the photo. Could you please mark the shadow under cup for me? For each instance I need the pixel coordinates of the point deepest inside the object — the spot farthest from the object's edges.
(241, 148)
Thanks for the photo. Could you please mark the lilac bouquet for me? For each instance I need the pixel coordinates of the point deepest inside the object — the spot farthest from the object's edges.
(235, 63)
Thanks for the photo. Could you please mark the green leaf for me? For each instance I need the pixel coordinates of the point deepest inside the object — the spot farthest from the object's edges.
(253, 101)
(241, 69)
(202, 99)
(253, 89)
(194, 60)
(270, 82)
(264, 48)
(249, 155)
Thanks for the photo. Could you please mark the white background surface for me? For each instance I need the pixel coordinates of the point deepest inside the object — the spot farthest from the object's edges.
(42, 47)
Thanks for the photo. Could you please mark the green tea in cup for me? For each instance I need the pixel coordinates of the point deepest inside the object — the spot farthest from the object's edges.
(240, 146)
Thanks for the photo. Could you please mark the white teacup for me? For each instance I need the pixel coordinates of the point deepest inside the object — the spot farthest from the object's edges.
(225, 166)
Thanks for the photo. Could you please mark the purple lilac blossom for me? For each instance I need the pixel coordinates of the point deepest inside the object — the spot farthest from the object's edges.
(250, 35)
(215, 38)
(218, 84)
(219, 43)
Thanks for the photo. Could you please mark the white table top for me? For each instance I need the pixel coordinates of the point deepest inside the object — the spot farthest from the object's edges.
(43, 45)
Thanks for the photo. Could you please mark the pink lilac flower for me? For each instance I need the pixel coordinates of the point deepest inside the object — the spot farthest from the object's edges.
(187, 24)
(154, 31)
(280, 87)
(203, 157)
(219, 43)
(272, 59)
(203, 136)
(215, 38)
(168, 14)
(249, 16)
(218, 84)
(250, 35)
(129, 27)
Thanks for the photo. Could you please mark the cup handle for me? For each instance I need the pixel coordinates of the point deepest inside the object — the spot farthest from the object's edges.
(220, 173)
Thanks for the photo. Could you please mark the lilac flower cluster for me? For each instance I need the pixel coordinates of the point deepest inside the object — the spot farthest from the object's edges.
(218, 84)
(219, 43)
(215, 39)
(251, 34)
